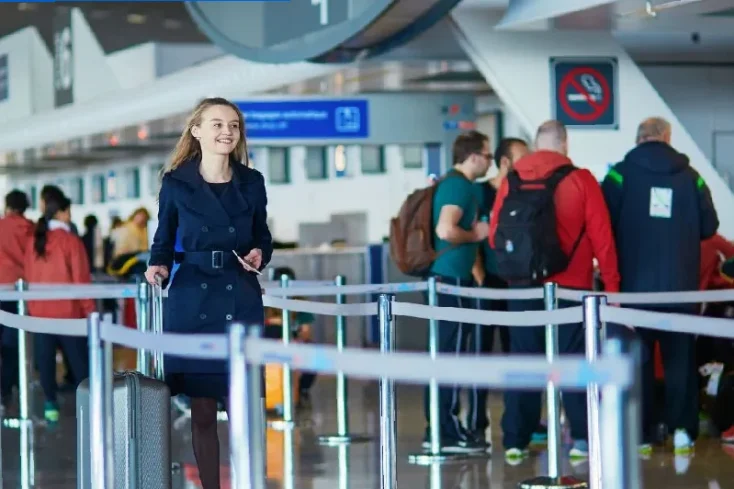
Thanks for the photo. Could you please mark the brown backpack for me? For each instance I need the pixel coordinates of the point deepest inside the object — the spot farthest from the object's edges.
(411, 233)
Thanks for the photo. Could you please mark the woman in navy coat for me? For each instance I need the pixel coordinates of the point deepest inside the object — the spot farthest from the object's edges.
(216, 204)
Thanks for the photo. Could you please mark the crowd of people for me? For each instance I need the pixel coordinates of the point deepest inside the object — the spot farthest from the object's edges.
(53, 251)
(649, 226)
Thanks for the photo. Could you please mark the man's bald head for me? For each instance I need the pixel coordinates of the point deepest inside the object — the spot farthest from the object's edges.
(654, 129)
(552, 136)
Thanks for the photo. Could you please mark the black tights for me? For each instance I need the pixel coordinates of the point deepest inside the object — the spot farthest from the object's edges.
(205, 440)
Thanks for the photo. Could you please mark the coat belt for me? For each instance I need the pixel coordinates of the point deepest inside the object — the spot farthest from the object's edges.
(207, 259)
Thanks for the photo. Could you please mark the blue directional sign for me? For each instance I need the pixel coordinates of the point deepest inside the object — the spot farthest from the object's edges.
(307, 119)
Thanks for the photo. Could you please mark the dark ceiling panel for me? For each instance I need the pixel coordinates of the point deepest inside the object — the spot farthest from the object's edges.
(117, 25)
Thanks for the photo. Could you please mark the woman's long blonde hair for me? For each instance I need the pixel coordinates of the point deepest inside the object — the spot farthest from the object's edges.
(188, 147)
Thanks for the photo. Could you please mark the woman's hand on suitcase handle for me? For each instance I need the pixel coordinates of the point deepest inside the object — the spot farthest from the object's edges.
(156, 274)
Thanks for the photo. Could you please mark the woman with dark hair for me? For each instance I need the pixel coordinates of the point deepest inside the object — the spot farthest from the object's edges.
(214, 205)
(57, 256)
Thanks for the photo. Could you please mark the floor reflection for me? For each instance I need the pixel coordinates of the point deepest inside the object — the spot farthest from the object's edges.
(296, 460)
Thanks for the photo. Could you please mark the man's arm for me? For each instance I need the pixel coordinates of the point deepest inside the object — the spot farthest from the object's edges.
(452, 197)
(448, 228)
(599, 230)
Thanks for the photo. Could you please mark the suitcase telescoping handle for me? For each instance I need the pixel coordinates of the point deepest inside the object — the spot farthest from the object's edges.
(158, 325)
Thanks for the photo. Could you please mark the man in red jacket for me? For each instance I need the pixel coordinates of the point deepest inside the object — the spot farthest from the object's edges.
(584, 231)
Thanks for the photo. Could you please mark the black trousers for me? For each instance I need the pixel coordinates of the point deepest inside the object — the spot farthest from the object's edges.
(9, 366)
(76, 351)
(453, 337)
(484, 338)
(523, 408)
(681, 383)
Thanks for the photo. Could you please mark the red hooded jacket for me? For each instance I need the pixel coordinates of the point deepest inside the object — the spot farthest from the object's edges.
(65, 262)
(712, 251)
(15, 231)
(579, 206)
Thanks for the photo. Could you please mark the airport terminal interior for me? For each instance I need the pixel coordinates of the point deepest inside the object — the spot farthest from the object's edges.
(349, 107)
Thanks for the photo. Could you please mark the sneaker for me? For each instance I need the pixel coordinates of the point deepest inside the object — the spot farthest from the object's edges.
(514, 456)
(51, 412)
(645, 450)
(579, 449)
(682, 443)
(539, 438)
(463, 444)
(728, 436)
(182, 404)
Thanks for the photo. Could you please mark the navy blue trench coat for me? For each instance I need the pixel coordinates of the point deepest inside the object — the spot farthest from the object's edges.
(210, 289)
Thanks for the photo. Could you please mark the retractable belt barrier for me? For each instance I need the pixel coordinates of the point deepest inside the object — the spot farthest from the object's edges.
(389, 367)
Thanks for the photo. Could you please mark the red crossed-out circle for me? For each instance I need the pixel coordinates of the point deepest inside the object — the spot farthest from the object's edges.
(598, 108)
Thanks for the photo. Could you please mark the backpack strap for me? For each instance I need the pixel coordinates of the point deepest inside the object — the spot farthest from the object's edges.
(558, 175)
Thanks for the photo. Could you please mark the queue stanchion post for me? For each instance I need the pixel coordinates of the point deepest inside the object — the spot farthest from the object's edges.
(143, 305)
(592, 327)
(554, 479)
(25, 419)
(286, 422)
(242, 409)
(388, 408)
(434, 454)
(342, 435)
(100, 479)
(616, 431)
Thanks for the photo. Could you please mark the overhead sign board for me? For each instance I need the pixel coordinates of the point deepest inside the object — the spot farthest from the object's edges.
(284, 31)
(306, 119)
(584, 92)
(4, 78)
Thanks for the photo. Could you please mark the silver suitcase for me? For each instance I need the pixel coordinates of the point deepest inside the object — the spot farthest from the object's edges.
(141, 429)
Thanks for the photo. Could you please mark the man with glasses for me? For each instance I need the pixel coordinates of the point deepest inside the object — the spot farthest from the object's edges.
(458, 233)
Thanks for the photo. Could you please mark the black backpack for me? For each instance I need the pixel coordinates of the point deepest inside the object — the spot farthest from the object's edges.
(527, 246)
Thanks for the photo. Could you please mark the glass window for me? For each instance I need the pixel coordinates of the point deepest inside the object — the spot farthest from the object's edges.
(112, 186)
(99, 189)
(76, 190)
(131, 178)
(155, 178)
(373, 159)
(279, 168)
(412, 156)
(33, 196)
(316, 165)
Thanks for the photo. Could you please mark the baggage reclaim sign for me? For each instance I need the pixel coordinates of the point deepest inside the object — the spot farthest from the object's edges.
(307, 119)
(585, 92)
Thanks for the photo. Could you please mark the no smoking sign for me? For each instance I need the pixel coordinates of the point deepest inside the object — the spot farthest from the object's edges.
(584, 92)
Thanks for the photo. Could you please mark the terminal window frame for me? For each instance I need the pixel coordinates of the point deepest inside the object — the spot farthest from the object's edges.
(412, 156)
(316, 163)
(372, 159)
(76, 190)
(279, 165)
(131, 180)
(155, 178)
(99, 188)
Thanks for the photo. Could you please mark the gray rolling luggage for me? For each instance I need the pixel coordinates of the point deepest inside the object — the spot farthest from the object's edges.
(141, 429)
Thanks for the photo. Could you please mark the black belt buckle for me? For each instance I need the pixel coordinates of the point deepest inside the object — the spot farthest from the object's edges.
(217, 259)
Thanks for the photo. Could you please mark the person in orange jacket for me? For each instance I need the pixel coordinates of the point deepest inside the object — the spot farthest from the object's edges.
(15, 230)
(56, 256)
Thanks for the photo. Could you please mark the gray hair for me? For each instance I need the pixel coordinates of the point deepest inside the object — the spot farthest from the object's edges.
(551, 135)
(653, 129)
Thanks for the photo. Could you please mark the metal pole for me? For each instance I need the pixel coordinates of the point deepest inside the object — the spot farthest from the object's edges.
(24, 398)
(553, 399)
(108, 384)
(434, 455)
(342, 414)
(239, 410)
(257, 417)
(157, 321)
(286, 422)
(388, 418)
(143, 304)
(592, 326)
(97, 414)
(613, 429)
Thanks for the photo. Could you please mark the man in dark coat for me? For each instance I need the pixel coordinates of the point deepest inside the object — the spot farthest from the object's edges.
(661, 210)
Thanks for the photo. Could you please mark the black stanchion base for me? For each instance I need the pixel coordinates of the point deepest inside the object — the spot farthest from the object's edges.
(337, 440)
(544, 482)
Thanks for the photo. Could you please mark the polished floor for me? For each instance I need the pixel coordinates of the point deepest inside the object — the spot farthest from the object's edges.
(357, 466)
